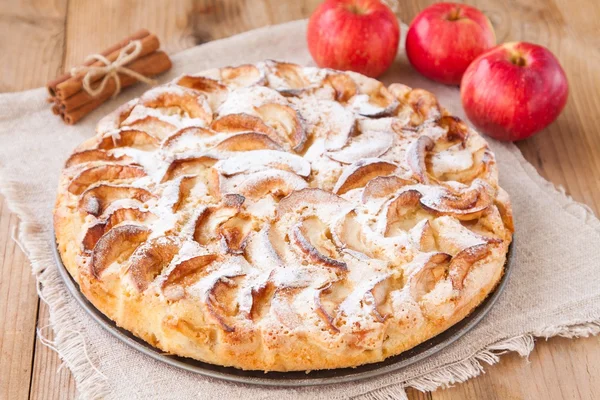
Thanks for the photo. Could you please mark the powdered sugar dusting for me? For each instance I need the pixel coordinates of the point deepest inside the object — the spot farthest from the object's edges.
(266, 219)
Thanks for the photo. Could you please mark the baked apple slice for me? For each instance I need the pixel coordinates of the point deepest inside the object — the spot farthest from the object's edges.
(424, 279)
(344, 86)
(116, 245)
(188, 271)
(186, 139)
(374, 99)
(462, 263)
(92, 155)
(360, 173)
(97, 199)
(243, 76)
(422, 236)
(209, 219)
(150, 259)
(259, 184)
(310, 236)
(286, 121)
(370, 144)
(177, 100)
(415, 157)
(215, 92)
(286, 77)
(128, 137)
(256, 160)
(101, 173)
(383, 186)
(402, 213)
(248, 141)
(311, 201)
(245, 123)
(324, 312)
(190, 165)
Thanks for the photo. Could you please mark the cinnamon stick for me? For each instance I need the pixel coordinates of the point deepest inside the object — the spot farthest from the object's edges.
(78, 106)
(142, 33)
(74, 84)
(56, 108)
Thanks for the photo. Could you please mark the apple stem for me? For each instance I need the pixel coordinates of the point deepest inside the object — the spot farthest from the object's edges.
(454, 14)
(356, 9)
(518, 60)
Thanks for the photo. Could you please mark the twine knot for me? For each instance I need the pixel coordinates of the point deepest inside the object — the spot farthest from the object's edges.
(111, 70)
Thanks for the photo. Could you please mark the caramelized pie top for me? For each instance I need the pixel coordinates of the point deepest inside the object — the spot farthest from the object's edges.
(280, 217)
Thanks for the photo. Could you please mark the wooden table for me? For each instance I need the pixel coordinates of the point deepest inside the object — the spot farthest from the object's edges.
(41, 38)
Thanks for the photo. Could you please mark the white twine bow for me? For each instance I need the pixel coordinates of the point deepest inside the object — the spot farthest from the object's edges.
(111, 70)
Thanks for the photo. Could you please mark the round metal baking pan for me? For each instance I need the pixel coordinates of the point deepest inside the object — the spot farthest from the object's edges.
(291, 379)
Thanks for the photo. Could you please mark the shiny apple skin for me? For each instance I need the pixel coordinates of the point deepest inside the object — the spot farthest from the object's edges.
(356, 35)
(441, 48)
(509, 101)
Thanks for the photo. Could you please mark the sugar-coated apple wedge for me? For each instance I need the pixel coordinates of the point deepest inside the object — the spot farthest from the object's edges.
(188, 138)
(422, 236)
(339, 124)
(415, 157)
(424, 279)
(91, 155)
(243, 75)
(246, 123)
(311, 201)
(368, 144)
(187, 271)
(97, 199)
(127, 137)
(234, 233)
(310, 235)
(259, 184)
(116, 245)
(360, 173)
(106, 172)
(462, 263)
(150, 259)
(344, 86)
(256, 160)
(248, 141)
(286, 122)
(189, 165)
(188, 101)
(291, 75)
(320, 309)
(215, 92)
(95, 231)
(375, 100)
(220, 300)
(466, 204)
(383, 186)
(209, 219)
(403, 206)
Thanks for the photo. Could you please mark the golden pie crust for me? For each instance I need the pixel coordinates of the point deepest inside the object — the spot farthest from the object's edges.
(277, 217)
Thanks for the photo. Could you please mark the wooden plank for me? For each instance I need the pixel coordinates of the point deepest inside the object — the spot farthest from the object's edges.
(51, 379)
(18, 312)
(32, 44)
(557, 369)
(32, 54)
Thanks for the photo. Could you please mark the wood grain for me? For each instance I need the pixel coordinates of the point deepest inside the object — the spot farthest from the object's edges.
(40, 38)
(18, 312)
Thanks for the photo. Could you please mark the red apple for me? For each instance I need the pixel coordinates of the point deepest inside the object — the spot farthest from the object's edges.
(514, 90)
(445, 38)
(355, 35)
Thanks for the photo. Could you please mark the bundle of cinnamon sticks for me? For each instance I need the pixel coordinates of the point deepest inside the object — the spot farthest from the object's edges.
(70, 99)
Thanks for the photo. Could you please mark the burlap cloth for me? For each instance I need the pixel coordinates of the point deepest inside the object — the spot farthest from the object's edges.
(554, 288)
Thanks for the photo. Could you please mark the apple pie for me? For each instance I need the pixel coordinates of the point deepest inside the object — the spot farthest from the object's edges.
(277, 217)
